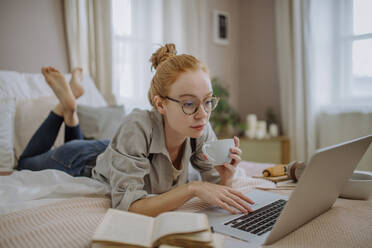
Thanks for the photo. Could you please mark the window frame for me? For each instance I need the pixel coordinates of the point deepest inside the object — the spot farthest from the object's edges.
(343, 82)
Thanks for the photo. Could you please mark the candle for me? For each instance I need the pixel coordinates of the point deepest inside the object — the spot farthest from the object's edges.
(273, 130)
(251, 126)
(251, 121)
(261, 130)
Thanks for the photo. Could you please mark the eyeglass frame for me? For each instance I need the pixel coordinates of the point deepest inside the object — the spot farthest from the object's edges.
(197, 108)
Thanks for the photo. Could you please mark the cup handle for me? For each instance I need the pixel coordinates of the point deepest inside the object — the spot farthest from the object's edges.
(210, 159)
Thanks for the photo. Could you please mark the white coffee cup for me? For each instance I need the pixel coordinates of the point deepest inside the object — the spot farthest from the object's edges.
(217, 152)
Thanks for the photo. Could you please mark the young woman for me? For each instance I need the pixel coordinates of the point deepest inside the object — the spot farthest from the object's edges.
(146, 162)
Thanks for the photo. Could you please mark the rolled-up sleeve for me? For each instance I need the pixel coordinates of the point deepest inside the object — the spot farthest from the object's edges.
(206, 168)
(124, 164)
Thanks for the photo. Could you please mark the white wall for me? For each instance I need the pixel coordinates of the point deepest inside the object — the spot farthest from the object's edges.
(259, 82)
(247, 65)
(223, 60)
(32, 35)
(338, 127)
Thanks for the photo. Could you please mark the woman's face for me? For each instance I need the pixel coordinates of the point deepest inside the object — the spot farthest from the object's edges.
(190, 87)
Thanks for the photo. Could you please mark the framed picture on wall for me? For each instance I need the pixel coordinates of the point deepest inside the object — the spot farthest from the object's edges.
(221, 31)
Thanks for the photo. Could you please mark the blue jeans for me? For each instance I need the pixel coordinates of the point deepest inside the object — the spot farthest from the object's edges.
(76, 157)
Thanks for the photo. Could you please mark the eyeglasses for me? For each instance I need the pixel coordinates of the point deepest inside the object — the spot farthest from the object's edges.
(190, 107)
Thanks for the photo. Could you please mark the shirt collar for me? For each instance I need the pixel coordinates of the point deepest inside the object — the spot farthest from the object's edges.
(187, 152)
(158, 137)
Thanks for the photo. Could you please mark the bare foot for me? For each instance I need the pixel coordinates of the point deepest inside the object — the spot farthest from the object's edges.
(75, 82)
(61, 89)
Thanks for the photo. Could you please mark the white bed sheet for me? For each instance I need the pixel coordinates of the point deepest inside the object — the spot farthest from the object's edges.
(25, 189)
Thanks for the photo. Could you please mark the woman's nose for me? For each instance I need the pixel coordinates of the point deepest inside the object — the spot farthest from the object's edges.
(201, 113)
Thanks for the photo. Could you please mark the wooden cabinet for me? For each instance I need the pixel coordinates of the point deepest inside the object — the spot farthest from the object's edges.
(273, 150)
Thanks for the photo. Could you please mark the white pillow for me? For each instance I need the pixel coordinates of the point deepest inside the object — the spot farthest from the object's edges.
(100, 122)
(7, 112)
(32, 85)
(30, 113)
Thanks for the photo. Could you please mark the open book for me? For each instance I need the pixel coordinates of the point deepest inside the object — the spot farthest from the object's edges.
(181, 229)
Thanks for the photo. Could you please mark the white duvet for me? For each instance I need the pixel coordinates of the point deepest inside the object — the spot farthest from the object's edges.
(25, 189)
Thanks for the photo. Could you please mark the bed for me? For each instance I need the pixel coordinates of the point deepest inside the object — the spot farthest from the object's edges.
(52, 209)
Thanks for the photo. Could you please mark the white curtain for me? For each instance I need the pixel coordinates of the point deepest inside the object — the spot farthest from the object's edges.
(139, 31)
(308, 51)
(89, 39)
(124, 77)
(297, 117)
(304, 45)
(185, 24)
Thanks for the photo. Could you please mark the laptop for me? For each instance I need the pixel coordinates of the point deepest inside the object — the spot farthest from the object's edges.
(275, 215)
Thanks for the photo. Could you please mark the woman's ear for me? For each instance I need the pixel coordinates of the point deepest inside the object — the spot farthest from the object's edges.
(159, 104)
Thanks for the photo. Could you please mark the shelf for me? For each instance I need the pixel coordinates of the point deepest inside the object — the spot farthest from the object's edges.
(273, 150)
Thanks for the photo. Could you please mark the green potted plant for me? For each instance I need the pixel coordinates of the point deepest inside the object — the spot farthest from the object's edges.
(224, 119)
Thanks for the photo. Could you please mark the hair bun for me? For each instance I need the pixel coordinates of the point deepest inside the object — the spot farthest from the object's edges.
(164, 52)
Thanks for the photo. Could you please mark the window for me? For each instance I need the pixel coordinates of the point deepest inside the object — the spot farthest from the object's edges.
(137, 32)
(356, 52)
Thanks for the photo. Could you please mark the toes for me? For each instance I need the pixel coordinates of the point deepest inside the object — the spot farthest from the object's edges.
(77, 69)
(51, 68)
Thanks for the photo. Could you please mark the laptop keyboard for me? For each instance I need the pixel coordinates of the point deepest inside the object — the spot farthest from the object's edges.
(261, 220)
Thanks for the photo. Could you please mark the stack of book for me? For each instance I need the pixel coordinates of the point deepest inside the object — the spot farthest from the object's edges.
(170, 229)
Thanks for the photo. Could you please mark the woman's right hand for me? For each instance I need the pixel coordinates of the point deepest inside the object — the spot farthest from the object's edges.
(222, 196)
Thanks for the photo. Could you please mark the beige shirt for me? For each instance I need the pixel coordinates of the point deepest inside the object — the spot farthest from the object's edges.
(126, 166)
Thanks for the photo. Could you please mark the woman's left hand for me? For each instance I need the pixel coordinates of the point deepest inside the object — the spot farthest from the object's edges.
(227, 170)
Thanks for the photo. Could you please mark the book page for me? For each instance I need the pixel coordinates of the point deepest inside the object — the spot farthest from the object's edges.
(179, 222)
(217, 241)
(202, 236)
(126, 228)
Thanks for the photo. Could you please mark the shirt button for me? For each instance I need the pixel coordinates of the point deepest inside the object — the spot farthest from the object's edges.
(131, 187)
